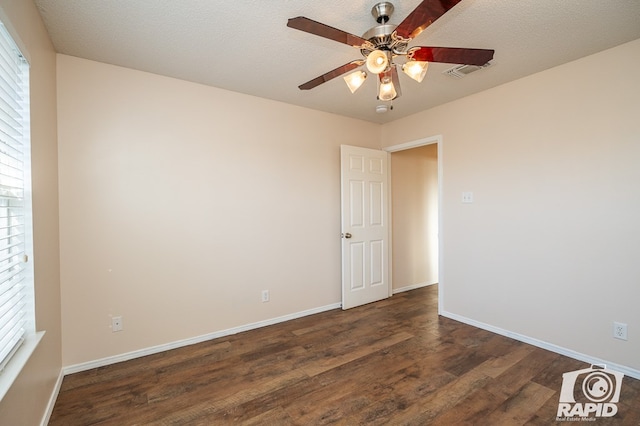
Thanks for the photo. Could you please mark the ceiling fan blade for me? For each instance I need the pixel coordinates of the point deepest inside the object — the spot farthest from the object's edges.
(396, 81)
(423, 16)
(310, 26)
(451, 55)
(331, 75)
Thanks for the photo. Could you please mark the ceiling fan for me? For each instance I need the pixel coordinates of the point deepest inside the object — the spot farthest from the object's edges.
(384, 44)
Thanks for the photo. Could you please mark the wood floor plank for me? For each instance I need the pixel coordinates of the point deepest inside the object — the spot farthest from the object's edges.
(208, 409)
(335, 357)
(442, 399)
(472, 410)
(497, 365)
(513, 379)
(520, 407)
(393, 362)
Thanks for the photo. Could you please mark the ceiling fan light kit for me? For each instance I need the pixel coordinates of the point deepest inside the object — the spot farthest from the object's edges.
(384, 43)
(378, 61)
(387, 91)
(416, 69)
(355, 80)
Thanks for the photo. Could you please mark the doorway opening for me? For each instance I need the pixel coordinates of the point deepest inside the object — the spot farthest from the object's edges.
(415, 206)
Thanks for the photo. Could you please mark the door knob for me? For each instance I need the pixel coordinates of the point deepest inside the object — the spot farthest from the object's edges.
(347, 235)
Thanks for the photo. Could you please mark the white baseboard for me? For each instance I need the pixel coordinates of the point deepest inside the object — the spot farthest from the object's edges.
(76, 368)
(627, 371)
(411, 287)
(52, 400)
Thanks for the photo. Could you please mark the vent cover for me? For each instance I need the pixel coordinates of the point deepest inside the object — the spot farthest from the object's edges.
(460, 71)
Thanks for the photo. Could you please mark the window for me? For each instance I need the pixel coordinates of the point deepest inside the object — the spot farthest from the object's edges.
(16, 270)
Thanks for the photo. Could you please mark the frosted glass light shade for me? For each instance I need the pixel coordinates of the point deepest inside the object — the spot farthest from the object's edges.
(416, 69)
(377, 61)
(387, 91)
(355, 80)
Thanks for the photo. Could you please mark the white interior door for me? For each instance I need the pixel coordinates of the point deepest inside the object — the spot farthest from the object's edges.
(365, 226)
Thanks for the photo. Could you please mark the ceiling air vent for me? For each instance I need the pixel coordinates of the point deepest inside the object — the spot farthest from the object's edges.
(460, 71)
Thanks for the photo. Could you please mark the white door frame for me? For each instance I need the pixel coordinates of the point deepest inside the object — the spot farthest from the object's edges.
(437, 139)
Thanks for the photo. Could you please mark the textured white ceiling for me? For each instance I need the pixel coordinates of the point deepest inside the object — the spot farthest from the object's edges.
(245, 45)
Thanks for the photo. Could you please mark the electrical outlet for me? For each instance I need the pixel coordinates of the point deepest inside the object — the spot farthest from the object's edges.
(467, 197)
(265, 295)
(620, 330)
(116, 324)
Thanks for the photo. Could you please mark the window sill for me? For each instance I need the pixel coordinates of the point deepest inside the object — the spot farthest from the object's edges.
(18, 361)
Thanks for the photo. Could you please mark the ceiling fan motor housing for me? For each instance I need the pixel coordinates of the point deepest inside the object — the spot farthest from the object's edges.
(380, 35)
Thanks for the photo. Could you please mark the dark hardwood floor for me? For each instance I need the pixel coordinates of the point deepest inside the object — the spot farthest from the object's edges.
(390, 362)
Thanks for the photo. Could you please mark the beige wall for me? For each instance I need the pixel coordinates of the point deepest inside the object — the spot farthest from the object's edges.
(26, 401)
(414, 189)
(550, 247)
(179, 203)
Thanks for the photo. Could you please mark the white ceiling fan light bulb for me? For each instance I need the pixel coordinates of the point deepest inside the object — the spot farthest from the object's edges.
(355, 80)
(416, 69)
(377, 61)
(387, 91)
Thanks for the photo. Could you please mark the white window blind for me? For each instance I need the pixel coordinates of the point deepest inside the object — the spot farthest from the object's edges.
(16, 280)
